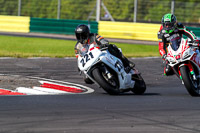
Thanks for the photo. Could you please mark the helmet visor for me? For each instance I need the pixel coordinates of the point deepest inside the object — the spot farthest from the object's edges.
(81, 37)
(168, 25)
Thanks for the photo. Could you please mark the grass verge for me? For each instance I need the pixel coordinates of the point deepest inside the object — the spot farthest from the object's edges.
(23, 47)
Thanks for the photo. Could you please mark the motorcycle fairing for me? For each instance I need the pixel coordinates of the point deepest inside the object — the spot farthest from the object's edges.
(116, 64)
(89, 59)
(184, 55)
(180, 55)
(94, 56)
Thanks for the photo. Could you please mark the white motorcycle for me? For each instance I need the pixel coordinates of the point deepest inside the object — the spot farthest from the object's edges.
(108, 71)
(184, 59)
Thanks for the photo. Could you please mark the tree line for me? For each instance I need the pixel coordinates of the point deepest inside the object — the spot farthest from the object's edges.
(187, 11)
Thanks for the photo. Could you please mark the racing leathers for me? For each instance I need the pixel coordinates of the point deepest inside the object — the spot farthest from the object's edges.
(166, 38)
(102, 43)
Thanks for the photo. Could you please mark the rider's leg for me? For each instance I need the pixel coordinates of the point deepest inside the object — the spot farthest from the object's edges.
(116, 52)
(127, 62)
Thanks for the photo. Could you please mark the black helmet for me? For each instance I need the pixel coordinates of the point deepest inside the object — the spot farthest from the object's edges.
(169, 22)
(82, 33)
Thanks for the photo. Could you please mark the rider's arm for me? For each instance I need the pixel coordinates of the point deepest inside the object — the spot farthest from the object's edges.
(161, 44)
(76, 49)
(186, 32)
(101, 41)
(189, 34)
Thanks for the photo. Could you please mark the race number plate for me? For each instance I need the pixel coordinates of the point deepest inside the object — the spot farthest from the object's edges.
(88, 59)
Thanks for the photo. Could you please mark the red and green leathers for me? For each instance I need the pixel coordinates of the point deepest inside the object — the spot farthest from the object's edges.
(164, 39)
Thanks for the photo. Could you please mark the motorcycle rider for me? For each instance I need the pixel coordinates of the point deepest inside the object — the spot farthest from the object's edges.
(84, 37)
(170, 30)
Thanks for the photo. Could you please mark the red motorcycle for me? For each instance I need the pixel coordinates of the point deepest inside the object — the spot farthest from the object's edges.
(184, 59)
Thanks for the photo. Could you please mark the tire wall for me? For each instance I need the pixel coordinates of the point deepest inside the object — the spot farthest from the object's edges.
(42, 25)
(128, 30)
(59, 26)
(14, 24)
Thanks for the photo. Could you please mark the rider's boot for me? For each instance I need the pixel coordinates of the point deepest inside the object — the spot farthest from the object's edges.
(127, 64)
(116, 52)
(131, 64)
(127, 69)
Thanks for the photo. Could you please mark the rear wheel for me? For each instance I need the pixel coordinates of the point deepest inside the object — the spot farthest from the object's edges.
(110, 85)
(190, 83)
(140, 86)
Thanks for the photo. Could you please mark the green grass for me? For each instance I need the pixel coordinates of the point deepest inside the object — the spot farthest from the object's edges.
(138, 50)
(23, 47)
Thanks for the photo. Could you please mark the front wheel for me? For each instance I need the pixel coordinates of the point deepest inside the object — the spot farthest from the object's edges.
(190, 83)
(140, 86)
(111, 86)
(87, 80)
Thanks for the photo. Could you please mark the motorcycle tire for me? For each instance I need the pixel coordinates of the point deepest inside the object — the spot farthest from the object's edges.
(87, 80)
(140, 86)
(190, 84)
(110, 88)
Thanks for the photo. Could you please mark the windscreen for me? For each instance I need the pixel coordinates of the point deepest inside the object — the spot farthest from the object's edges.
(83, 49)
(175, 42)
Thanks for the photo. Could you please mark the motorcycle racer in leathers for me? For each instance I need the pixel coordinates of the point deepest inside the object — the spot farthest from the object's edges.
(84, 36)
(170, 30)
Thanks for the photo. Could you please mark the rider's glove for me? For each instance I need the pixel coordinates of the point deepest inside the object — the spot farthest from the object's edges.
(164, 56)
(104, 45)
(160, 35)
(196, 43)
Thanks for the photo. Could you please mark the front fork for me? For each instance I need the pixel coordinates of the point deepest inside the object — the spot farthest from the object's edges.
(106, 71)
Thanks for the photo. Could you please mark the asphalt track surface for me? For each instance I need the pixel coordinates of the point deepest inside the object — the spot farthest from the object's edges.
(166, 106)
